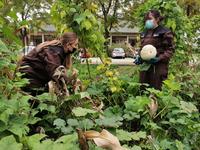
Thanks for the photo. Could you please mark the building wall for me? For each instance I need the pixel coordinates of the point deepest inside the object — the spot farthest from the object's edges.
(37, 38)
(116, 38)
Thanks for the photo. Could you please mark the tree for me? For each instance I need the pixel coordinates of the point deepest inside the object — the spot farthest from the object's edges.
(110, 14)
(24, 12)
(191, 7)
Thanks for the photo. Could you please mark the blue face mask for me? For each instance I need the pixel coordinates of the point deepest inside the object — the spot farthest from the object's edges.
(149, 24)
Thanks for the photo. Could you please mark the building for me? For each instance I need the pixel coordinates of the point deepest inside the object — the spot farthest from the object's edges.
(47, 33)
(120, 34)
(124, 33)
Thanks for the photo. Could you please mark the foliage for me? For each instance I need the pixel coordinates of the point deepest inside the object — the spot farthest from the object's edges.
(79, 17)
(112, 100)
(25, 12)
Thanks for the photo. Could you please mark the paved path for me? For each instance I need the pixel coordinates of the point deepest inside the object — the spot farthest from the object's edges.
(96, 60)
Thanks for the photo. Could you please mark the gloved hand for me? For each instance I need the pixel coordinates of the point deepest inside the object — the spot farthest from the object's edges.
(154, 60)
(138, 60)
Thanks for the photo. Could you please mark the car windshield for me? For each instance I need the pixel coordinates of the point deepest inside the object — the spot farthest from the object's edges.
(119, 50)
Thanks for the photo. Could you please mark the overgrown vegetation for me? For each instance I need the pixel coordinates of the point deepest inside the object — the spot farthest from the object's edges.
(160, 120)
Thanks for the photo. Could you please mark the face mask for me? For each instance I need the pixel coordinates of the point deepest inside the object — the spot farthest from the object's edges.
(149, 24)
(71, 52)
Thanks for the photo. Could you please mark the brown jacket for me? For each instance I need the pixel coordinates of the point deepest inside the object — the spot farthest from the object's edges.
(162, 39)
(39, 66)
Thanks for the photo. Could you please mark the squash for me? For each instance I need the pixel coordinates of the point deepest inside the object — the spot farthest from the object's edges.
(148, 52)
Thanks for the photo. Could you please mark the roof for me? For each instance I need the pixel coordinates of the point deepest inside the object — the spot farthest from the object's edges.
(49, 28)
(124, 27)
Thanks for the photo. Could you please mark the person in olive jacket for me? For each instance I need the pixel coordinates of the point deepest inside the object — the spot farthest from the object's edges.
(162, 39)
(39, 65)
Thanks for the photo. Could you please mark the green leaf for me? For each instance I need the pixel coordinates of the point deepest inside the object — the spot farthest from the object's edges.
(67, 130)
(129, 136)
(9, 143)
(67, 139)
(84, 94)
(79, 18)
(18, 129)
(114, 121)
(179, 145)
(124, 135)
(131, 115)
(79, 111)
(137, 104)
(44, 97)
(3, 47)
(72, 10)
(72, 122)
(59, 123)
(86, 124)
(8, 32)
(188, 107)
(165, 144)
(171, 84)
(86, 24)
(4, 116)
(34, 139)
(138, 135)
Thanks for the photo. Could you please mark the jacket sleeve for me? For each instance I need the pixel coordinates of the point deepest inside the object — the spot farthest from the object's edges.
(52, 61)
(169, 47)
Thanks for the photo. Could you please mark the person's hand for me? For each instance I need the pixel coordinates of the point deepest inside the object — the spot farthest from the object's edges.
(138, 60)
(154, 60)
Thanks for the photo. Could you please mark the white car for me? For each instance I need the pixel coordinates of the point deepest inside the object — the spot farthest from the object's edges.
(118, 52)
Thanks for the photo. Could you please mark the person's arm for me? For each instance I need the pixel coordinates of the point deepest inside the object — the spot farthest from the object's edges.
(169, 47)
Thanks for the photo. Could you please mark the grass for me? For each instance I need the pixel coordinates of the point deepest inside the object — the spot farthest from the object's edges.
(123, 70)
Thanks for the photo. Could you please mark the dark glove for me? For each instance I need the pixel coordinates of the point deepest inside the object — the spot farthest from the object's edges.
(138, 60)
(154, 60)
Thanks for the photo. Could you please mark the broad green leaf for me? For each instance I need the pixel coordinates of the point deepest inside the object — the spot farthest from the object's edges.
(165, 144)
(171, 84)
(114, 121)
(44, 97)
(86, 124)
(79, 111)
(131, 115)
(34, 139)
(67, 139)
(124, 135)
(137, 104)
(188, 107)
(129, 136)
(66, 130)
(4, 116)
(9, 143)
(59, 123)
(138, 135)
(72, 122)
(18, 129)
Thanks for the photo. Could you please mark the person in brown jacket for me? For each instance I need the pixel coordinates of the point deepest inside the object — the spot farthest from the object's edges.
(39, 65)
(162, 39)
